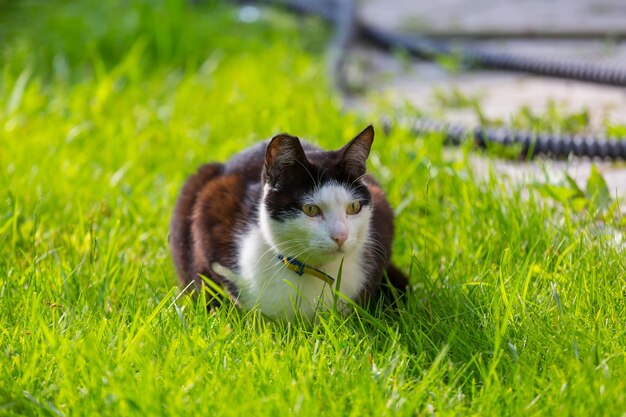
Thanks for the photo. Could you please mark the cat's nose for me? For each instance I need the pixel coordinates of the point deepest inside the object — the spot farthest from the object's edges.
(340, 240)
(339, 233)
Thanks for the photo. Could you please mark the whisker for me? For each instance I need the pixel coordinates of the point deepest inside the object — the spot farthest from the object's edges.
(359, 178)
(298, 253)
(272, 248)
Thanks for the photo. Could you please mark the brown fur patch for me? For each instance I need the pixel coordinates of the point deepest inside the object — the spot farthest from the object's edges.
(215, 217)
(383, 230)
(180, 227)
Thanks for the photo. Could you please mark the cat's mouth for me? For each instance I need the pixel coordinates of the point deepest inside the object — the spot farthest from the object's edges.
(333, 252)
(323, 256)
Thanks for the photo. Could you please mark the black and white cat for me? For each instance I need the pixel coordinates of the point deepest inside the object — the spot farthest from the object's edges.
(279, 222)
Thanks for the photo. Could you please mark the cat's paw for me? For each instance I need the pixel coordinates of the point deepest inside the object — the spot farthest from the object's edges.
(225, 272)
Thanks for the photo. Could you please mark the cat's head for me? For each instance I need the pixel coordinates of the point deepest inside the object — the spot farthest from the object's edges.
(316, 206)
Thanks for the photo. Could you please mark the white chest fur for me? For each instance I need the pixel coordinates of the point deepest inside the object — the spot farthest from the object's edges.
(265, 283)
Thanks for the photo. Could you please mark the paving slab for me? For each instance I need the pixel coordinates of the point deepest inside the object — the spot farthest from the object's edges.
(501, 17)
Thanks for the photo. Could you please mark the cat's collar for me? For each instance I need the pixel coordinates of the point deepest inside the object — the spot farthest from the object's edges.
(301, 268)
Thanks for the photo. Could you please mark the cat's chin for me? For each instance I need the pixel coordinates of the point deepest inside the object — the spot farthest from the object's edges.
(325, 256)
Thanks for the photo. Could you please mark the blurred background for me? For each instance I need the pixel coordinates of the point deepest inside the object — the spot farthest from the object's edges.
(133, 41)
(583, 31)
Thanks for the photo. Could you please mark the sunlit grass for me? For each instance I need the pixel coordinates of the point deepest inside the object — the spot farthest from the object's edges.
(517, 307)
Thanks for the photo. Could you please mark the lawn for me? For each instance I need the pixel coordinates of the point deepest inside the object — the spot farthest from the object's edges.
(517, 303)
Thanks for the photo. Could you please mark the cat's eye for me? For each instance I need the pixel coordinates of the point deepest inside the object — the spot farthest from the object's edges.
(354, 207)
(311, 210)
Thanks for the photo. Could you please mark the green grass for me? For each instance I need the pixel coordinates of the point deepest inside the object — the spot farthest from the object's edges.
(517, 307)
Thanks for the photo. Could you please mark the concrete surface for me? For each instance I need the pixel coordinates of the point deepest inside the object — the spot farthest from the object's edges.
(501, 17)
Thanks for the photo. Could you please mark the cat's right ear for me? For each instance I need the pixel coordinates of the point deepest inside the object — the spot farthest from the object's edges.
(284, 154)
(355, 153)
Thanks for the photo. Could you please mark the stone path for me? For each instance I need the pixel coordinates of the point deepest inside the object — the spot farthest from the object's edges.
(502, 94)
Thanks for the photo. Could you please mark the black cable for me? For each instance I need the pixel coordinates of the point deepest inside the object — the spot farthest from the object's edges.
(560, 68)
(481, 56)
(532, 144)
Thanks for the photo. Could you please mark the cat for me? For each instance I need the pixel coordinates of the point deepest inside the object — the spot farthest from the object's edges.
(282, 223)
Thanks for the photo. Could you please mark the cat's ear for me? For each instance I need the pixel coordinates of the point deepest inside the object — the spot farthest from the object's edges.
(355, 153)
(283, 155)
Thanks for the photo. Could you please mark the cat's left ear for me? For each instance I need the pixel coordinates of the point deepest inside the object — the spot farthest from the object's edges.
(284, 158)
(355, 153)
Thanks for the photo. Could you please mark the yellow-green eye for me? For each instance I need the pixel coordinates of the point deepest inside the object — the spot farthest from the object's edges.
(354, 207)
(311, 210)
